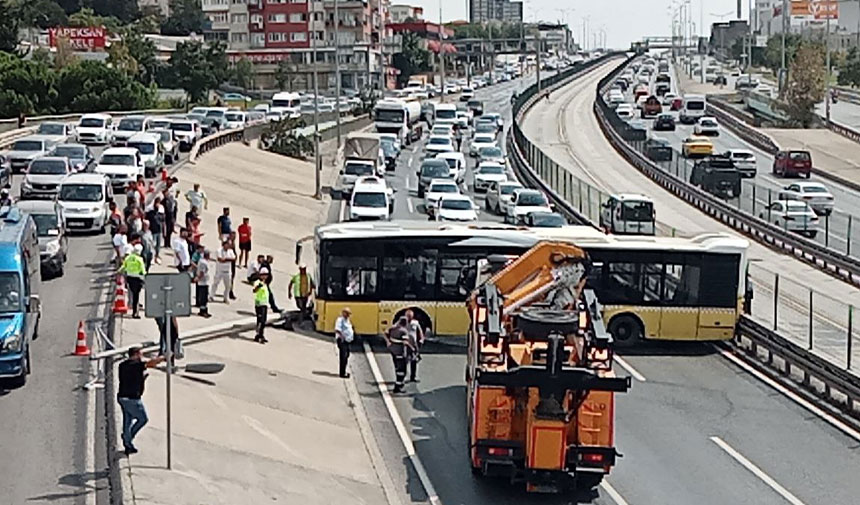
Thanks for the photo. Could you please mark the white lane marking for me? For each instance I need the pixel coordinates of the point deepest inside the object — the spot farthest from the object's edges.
(615, 495)
(832, 420)
(627, 366)
(408, 446)
(758, 472)
(342, 209)
(409, 204)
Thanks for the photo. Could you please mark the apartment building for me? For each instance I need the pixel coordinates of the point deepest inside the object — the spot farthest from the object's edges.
(278, 31)
(401, 13)
(482, 11)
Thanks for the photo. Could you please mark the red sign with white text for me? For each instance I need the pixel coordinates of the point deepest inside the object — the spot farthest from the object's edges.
(88, 37)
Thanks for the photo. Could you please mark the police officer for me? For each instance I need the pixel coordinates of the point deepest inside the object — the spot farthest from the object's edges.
(261, 303)
(398, 341)
(134, 268)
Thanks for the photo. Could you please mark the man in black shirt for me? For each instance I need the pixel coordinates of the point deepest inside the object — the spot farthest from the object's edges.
(132, 374)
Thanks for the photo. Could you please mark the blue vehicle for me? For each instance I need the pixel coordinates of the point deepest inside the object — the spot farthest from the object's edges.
(20, 307)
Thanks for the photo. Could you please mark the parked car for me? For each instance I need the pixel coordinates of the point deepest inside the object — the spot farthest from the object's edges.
(121, 164)
(664, 122)
(792, 215)
(44, 176)
(814, 193)
(659, 149)
(95, 129)
(84, 200)
(792, 162)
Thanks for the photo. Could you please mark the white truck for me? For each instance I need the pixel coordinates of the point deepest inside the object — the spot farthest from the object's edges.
(399, 116)
(363, 156)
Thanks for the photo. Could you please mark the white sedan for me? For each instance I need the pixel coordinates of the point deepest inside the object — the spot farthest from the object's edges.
(436, 190)
(499, 196)
(455, 208)
(793, 216)
(525, 201)
(482, 140)
(487, 174)
(813, 193)
(668, 98)
(707, 125)
(439, 144)
(625, 111)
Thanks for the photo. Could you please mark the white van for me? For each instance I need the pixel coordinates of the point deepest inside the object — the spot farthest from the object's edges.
(121, 164)
(628, 214)
(371, 199)
(84, 200)
(236, 119)
(692, 108)
(151, 151)
(444, 113)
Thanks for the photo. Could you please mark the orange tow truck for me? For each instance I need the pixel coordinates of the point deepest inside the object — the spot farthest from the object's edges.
(539, 373)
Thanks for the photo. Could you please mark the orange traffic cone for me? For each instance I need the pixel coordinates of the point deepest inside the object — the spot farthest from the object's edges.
(119, 305)
(81, 348)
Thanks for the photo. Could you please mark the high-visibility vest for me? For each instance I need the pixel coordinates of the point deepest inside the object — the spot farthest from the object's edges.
(297, 284)
(133, 265)
(261, 295)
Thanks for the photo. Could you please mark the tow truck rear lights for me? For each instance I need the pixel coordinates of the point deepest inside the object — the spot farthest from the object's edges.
(500, 451)
(592, 457)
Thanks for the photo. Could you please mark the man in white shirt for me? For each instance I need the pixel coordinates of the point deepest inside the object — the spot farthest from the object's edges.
(181, 256)
(197, 198)
(223, 272)
(343, 335)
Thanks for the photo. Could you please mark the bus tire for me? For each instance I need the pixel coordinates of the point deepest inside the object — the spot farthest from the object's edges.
(626, 330)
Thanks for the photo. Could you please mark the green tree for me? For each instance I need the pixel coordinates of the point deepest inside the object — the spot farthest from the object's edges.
(411, 59)
(186, 16)
(144, 53)
(284, 75)
(849, 70)
(26, 86)
(39, 13)
(773, 50)
(124, 10)
(197, 68)
(88, 86)
(280, 137)
(806, 84)
(120, 58)
(242, 74)
(65, 53)
(9, 25)
(88, 17)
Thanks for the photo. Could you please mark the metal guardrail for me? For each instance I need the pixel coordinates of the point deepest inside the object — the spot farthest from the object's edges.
(813, 374)
(11, 124)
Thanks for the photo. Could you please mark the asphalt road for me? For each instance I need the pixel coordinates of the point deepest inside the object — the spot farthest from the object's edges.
(47, 425)
(691, 393)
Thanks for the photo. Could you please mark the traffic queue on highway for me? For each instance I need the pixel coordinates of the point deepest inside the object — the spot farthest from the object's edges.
(652, 108)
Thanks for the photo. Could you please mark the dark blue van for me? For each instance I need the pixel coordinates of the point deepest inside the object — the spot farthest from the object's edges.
(20, 307)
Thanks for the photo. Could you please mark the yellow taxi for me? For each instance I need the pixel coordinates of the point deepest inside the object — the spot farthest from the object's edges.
(696, 146)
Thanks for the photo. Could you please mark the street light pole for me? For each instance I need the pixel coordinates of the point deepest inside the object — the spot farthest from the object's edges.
(827, 63)
(317, 158)
(441, 55)
(337, 69)
(786, 16)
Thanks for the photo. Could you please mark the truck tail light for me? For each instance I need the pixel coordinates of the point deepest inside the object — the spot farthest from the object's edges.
(592, 458)
(500, 451)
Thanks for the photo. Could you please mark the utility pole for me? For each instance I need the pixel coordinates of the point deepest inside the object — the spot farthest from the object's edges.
(827, 63)
(538, 46)
(441, 56)
(337, 70)
(383, 74)
(786, 16)
(317, 157)
(492, 49)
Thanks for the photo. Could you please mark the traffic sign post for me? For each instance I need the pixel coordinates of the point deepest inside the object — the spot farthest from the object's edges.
(168, 296)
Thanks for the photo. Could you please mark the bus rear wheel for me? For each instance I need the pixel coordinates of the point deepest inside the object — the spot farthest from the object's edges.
(626, 330)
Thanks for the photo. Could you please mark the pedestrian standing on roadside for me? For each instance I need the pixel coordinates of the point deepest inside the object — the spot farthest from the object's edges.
(222, 270)
(225, 225)
(201, 277)
(134, 268)
(155, 216)
(261, 303)
(194, 233)
(244, 241)
(268, 264)
(191, 215)
(397, 341)
(416, 339)
(132, 376)
(148, 242)
(115, 219)
(343, 336)
(254, 270)
(181, 254)
(197, 198)
(232, 246)
(120, 240)
(169, 215)
(302, 287)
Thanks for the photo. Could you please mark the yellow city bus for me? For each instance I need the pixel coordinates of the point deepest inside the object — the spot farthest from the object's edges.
(658, 288)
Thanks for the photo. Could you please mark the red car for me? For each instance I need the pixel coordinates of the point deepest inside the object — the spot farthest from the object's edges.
(677, 103)
(792, 162)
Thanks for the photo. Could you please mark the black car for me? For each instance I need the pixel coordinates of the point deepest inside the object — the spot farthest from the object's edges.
(621, 83)
(431, 168)
(544, 220)
(664, 122)
(476, 106)
(718, 176)
(657, 149)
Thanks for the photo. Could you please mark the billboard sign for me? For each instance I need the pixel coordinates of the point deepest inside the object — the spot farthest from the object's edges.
(88, 37)
(824, 9)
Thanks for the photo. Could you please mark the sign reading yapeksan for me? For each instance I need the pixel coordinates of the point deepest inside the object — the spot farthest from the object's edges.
(88, 37)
